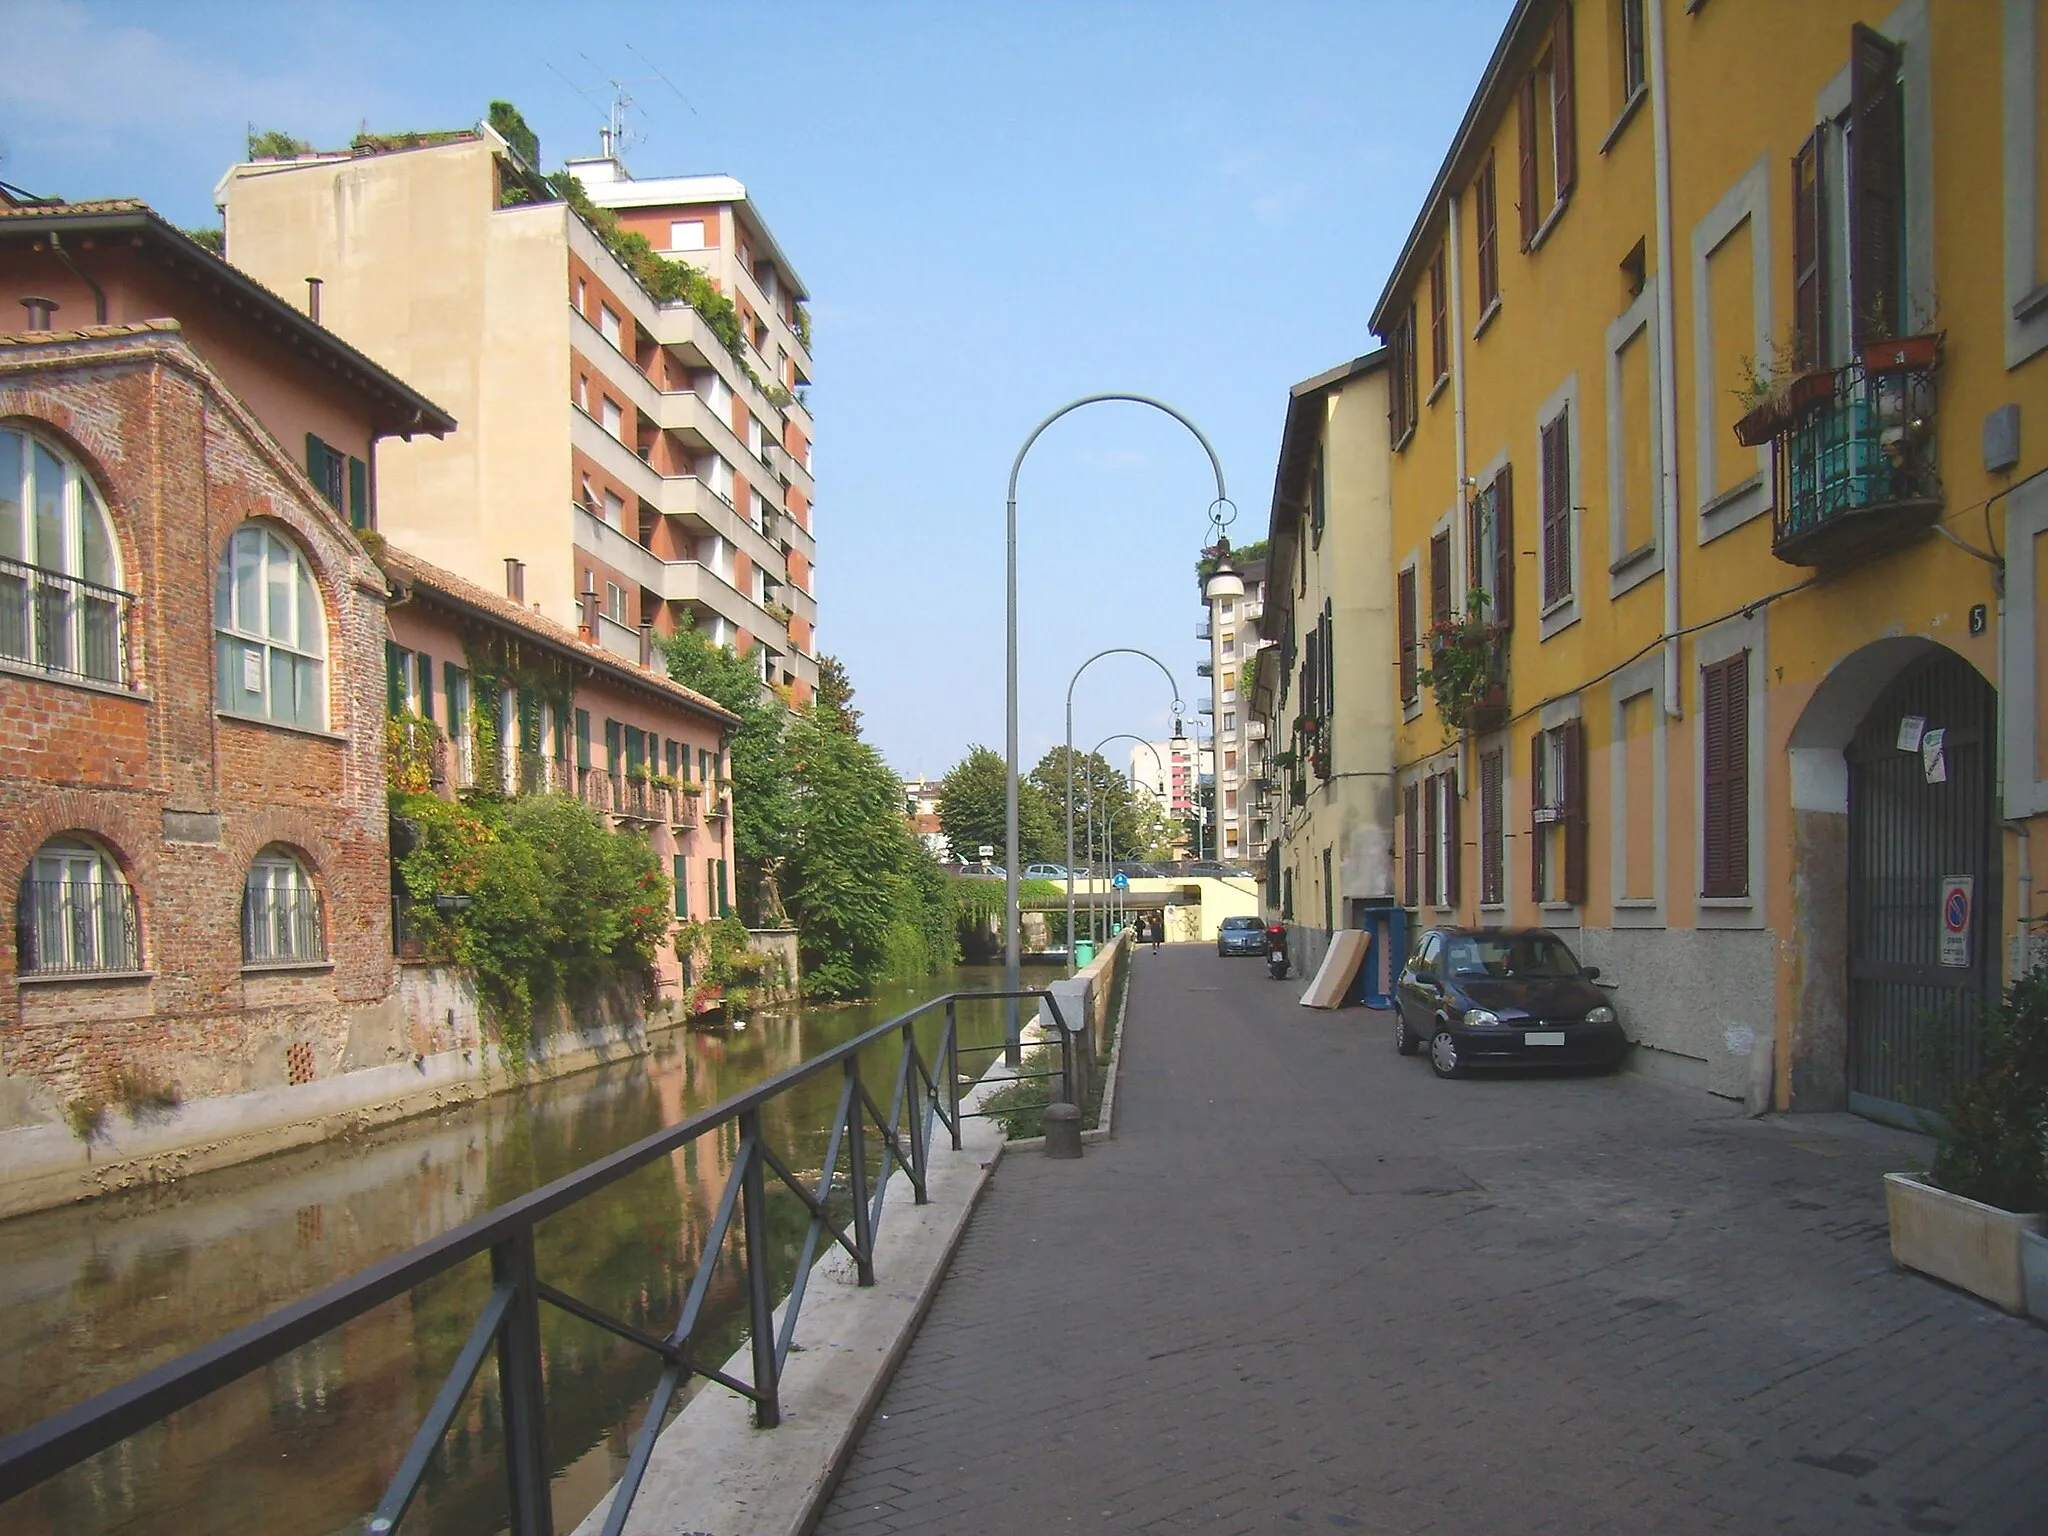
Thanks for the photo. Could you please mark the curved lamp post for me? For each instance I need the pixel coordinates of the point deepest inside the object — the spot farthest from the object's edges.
(1165, 780)
(1114, 650)
(1011, 955)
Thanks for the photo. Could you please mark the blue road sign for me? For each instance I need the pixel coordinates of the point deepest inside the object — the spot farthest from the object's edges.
(1122, 882)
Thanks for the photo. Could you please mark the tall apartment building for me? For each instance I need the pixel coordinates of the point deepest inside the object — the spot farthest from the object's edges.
(638, 470)
(1234, 593)
(1170, 772)
(1711, 345)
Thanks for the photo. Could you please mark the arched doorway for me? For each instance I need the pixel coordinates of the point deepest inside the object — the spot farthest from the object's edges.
(1918, 824)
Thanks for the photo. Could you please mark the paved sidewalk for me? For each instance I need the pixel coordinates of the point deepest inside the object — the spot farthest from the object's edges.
(1309, 1287)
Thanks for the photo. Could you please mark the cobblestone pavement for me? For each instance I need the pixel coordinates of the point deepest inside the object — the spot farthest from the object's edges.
(1309, 1287)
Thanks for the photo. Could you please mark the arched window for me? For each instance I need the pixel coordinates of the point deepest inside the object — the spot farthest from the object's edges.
(76, 914)
(270, 634)
(62, 610)
(280, 911)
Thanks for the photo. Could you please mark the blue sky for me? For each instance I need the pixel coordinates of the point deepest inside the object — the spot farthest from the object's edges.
(996, 208)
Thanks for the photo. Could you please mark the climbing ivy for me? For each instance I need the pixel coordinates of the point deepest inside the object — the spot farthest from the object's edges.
(498, 661)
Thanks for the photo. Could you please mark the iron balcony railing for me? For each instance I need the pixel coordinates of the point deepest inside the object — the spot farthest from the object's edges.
(845, 1204)
(1856, 463)
(77, 928)
(64, 625)
(281, 926)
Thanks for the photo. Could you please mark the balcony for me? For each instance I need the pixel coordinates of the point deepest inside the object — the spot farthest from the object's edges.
(1203, 630)
(1854, 457)
(1255, 730)
(1205, 669)
(64, 626)
(1206, 704)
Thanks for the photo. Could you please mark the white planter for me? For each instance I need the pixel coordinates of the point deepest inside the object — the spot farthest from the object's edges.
(1973, 1247)
(2034, 1261)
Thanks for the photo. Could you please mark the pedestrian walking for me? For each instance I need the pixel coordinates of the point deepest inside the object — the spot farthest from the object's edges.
(1157, 923)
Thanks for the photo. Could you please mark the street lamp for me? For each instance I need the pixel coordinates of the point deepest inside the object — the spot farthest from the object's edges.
(1012, 955)
(1114, 650)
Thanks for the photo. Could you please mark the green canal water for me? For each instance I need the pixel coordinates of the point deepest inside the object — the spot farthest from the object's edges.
(93, 1295)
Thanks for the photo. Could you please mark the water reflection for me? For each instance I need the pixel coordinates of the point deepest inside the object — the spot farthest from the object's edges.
(93, 1295)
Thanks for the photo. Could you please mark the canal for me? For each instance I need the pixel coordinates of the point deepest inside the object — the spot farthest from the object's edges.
(94, 1294)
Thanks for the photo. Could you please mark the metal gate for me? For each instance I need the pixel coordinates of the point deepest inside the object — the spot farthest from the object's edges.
(1915, 1022)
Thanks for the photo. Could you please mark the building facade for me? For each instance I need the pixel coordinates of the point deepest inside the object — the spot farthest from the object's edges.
(1231, 629)
(921, 806)
(193, 846)
(645, 469)
(1171, 772)
(1327, 700)
(1718, 547)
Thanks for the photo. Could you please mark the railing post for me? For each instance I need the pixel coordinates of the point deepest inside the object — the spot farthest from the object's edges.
(952, 1055)
(857, 1178)
(521, 1388)
(913, 1093)
(760, 1299)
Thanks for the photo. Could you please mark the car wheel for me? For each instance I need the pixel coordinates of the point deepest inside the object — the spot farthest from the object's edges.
(1444, 1059)
(1404, 1042)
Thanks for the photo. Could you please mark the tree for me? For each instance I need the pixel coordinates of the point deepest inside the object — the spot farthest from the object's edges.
(511, 126)
(835, 695)
(1097, 784)
(973, 810)
(1200, 835)
(275, 144)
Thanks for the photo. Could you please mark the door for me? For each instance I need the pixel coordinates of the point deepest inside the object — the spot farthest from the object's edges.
(1417, 999)
(1917, 826)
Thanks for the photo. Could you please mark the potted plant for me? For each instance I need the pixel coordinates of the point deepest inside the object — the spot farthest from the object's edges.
(1466, 668)
(1975, 1218)
(1902, 354)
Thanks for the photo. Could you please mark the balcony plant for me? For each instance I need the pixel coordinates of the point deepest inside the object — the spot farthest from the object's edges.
(780, 612)
(410, 742)
(1975, 1218)
(1466, 668)
(638, 774)
(664, 780)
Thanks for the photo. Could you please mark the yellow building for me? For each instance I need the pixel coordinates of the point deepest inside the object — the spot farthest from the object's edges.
(1329, 615)
(1712, 344)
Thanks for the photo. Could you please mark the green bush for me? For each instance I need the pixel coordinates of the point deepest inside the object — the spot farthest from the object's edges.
(1994, 1147)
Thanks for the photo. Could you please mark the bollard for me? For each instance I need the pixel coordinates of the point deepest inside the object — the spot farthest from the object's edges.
(1062, 1130)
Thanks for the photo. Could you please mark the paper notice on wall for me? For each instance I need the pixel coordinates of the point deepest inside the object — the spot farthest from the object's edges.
(1909, 733)
(1932, 758)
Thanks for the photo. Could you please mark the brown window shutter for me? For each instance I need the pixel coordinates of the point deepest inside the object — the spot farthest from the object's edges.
(1564, 111)
(1411, 353)
(1486, 234)
(1439, 323)
(1737, 762)
(1440, 578)
(1724, 811)
(1574, 754)
(1454, 844)
(1537, 828)
(1557, 509)
(1429, 827)
(1492, 850)
(1406, 591)
(1809, 241)
(1411, 844)
(1876, 181)
(1525, 110)
(1504, 546)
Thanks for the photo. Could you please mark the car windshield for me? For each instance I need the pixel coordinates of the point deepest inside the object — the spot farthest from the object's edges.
(1534, 956)
(1241, 924)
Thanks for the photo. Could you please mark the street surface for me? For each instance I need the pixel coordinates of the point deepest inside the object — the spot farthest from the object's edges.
(1309, 1287)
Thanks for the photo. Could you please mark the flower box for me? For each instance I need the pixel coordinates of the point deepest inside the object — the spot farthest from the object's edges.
(1808, 391)
(1902, 354)
(1764, 422)
(1972, 1246)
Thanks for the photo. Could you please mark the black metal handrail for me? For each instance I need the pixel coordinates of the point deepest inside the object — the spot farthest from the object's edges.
(64, 625)
(509, 1322)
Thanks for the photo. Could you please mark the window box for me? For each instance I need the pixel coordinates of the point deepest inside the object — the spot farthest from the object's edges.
(1902, 354)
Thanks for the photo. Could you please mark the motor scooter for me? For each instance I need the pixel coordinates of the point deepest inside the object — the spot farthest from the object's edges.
(1276, 951)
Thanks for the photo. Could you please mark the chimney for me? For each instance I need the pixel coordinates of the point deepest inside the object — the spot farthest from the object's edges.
(313, 299)
(39, 312)
(515, 580)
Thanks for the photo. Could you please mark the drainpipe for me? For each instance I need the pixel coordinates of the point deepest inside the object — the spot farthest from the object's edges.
(1457, 281)
(1667, 361)
(99, 295)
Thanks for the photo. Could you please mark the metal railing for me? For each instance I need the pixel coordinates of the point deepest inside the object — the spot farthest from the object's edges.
(1863, 445)
(594, 787)
(64, 625)
(508, 1325)
(77, 928)
(280, 926)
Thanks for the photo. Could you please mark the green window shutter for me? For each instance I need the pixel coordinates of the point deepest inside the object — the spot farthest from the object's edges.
(395, 659)
(561, 739)
(358, 493)
(636, 748)
(724, 890)
(529, 721)
(582, 738)
(452, 679)
(682, 868)
(316, 463)
(426, 674)
(611, 746)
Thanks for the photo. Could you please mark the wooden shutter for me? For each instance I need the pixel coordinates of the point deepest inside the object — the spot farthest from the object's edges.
(1486, 235)
(1573, 751)
(1405, 587)
(1492, 835)
(426, 676)
(1430, 813)
(1557, 509)
(1440, 578)
(1537, 827)
(1454, 843)
(452, 678)
(1411, 844)
(358, 493)
(396, 659)
(1439, 319)
(1564, 111)
(1504, 546)
(611, 746)
(1724, 810)
(1525, 110)
(317, 454)
(1809, 266)
(1876, 179)
(682, 872)
(582, 738)
(1400, 343)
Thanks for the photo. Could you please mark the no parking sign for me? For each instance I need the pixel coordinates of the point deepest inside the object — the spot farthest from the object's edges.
(1957, 892)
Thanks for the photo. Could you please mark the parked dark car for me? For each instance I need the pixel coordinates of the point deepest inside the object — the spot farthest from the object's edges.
(1503, 997)
(1241, 936)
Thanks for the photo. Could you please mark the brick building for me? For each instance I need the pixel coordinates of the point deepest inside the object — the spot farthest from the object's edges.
(194, 857)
